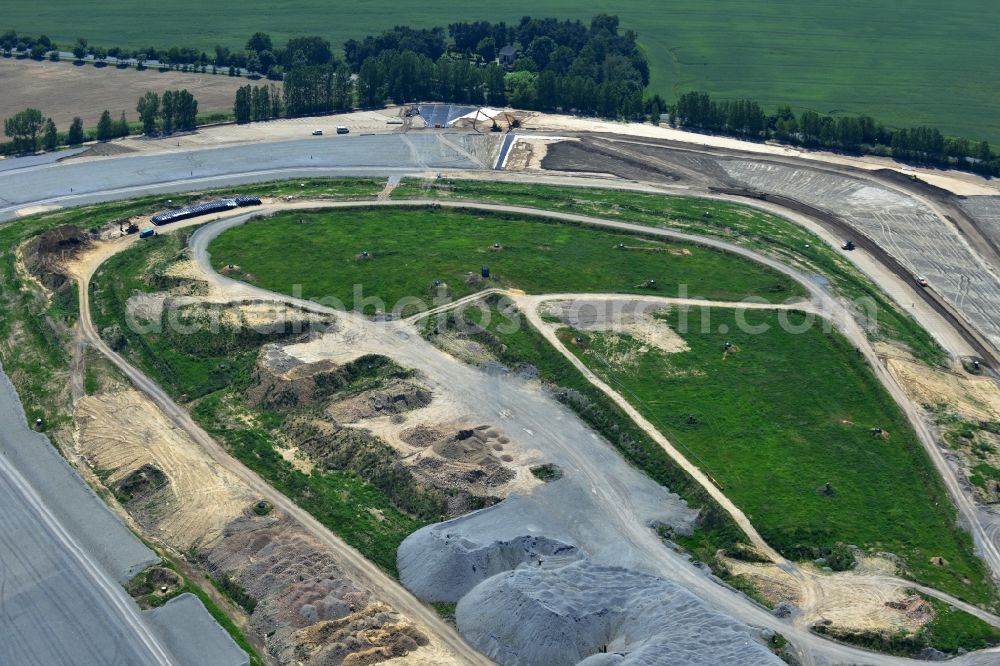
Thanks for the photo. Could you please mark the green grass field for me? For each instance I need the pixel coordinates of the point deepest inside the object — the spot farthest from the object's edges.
(780, 418)
(922, 63)
(737, 224)
(411, 248)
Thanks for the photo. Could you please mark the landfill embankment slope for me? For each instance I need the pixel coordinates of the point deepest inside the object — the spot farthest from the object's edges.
(64, 557)
(69, 499)
(183, 617)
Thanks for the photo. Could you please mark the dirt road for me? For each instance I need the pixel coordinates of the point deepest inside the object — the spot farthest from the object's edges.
(824, 302)
(367, 574)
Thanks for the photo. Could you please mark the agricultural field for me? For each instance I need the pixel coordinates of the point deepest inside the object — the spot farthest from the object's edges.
(920, 65)
(62, 90)
(408, 249)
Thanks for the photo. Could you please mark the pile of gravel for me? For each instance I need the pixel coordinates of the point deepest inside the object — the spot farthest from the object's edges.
(584, 613)
(460, 563)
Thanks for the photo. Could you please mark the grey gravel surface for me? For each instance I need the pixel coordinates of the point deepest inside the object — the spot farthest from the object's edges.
(903, 225)
(63, 556)
(63, 560)
(589, 614)
(986, 212)
(192, 635)
(37, 160)
(69, 499)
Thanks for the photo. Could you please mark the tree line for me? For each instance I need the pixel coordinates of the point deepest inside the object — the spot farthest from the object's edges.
(255, 103)
(26, 45)
(558, 65)
(565, 66)
(175, 110)
(29, 130)
(855, 134)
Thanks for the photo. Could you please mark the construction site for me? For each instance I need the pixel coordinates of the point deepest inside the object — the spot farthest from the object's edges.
(568, 446)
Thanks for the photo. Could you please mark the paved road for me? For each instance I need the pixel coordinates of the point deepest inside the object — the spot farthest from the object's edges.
(130, 175)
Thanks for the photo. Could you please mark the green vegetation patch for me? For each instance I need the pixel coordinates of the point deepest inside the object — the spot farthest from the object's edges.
(784, 422)
(323, 254)
(351, 507)
(235, 593)
(982, 473)
(191, 351)
(146, 589)
(517, 345)
(733, 222)
(547, 472)
(953, 629)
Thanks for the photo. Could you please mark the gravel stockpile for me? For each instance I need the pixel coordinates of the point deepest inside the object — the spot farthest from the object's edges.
(557, 523)
(461, 563)
(597, 615)
(529, 594)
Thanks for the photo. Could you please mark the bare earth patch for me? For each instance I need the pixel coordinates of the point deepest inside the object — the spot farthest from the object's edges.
(635, 319)
(124, 431)
(865, 598)
(975, 397)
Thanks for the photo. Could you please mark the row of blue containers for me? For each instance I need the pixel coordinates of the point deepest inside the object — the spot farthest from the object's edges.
(203, 209)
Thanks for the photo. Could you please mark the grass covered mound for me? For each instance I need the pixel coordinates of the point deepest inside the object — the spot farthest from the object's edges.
(785, 423)
(408, 249)
(736, 223)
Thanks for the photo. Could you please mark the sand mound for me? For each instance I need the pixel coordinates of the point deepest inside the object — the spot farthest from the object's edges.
(586, 613)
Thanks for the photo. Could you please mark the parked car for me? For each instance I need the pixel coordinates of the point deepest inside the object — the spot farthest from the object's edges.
(317, 132)
(342, 130)
(922, 281)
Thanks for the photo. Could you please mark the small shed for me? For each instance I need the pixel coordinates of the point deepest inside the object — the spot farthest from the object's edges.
(508, 55)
